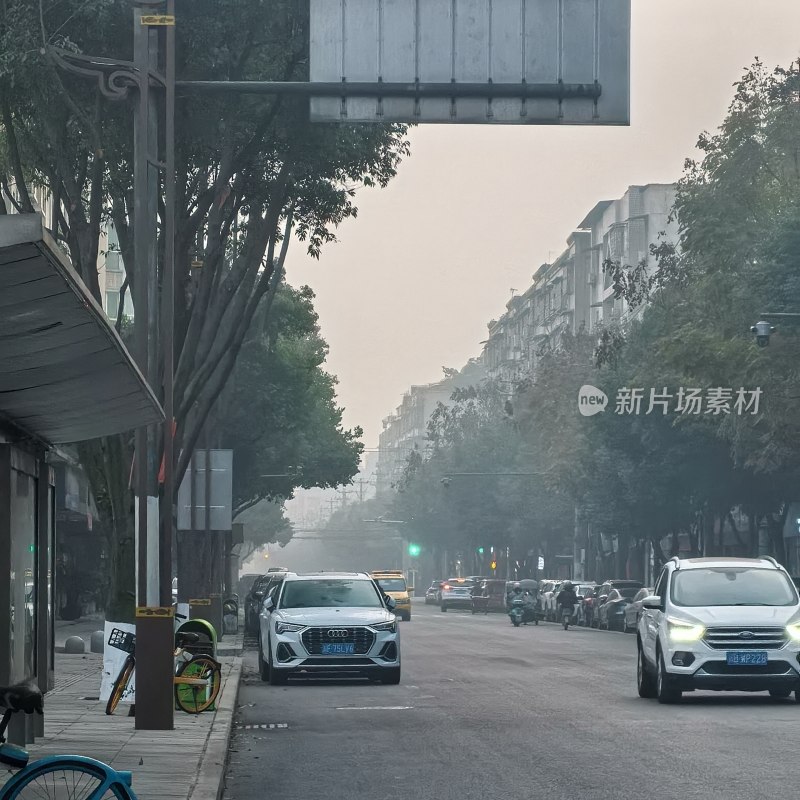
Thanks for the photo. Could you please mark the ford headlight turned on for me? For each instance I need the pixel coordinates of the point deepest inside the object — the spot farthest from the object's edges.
(724, 624)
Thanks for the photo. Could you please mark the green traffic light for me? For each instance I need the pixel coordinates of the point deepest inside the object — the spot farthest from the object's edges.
(480, 551)
(414, 550)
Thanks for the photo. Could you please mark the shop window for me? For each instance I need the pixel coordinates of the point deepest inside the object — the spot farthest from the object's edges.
(23, 576)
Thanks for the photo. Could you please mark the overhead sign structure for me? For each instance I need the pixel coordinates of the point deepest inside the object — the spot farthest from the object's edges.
(476, 61)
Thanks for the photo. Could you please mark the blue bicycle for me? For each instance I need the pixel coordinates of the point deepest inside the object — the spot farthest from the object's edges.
(55, 777)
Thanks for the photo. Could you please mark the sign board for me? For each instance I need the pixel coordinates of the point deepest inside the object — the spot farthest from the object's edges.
(507, 61)
(218, 479)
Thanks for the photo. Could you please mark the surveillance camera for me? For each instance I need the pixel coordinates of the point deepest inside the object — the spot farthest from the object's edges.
(762, 330)
(445, 482)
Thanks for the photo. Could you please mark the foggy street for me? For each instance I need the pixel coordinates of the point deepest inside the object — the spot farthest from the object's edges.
(486, 710)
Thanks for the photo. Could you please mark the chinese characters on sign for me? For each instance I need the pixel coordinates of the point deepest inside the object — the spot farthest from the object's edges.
(715, 401)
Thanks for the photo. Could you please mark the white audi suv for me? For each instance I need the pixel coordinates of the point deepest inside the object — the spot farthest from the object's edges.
(325, 622)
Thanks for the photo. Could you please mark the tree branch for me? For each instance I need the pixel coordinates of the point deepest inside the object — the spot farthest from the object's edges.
(26, 206)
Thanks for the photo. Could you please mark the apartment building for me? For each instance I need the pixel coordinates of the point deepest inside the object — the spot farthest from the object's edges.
(623, 231)
(406, 429)
(574, 292)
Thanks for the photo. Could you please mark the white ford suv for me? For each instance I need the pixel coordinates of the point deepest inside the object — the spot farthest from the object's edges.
(328, 622)
(724, 624)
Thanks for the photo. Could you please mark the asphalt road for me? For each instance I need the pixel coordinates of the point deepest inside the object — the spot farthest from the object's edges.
(487, 711)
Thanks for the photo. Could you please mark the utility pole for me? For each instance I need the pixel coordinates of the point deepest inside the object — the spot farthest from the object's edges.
(152, 329)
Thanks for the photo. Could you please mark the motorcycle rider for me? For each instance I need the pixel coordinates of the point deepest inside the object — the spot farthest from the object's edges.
(567, 598)
(527, 598)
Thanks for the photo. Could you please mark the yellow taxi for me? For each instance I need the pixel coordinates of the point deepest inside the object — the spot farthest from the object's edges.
(393, 583)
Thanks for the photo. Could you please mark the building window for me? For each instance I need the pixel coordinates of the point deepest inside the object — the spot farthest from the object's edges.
(112, 304)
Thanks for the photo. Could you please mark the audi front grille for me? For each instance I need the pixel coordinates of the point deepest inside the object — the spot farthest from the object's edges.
(743, 638)
(362, 638)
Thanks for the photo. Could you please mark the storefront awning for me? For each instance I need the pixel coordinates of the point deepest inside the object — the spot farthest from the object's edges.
(65, 375)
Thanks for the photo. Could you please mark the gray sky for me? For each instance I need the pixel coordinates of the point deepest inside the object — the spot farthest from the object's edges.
(432, 258)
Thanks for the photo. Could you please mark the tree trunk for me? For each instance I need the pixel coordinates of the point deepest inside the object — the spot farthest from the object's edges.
(200, 564)
(107, 463)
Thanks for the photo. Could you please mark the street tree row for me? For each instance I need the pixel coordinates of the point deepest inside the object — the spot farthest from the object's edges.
(687, 476)
(252, 175)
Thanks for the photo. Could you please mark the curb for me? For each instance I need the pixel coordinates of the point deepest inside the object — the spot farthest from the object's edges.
(211, 774)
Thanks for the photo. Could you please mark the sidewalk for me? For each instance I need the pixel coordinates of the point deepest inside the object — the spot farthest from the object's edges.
(187, 763)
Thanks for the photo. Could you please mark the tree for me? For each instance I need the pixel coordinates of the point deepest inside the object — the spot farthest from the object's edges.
(279, 413)
(740, 228)
(250, 174)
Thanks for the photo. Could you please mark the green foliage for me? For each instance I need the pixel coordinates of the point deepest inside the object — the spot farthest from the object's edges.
(251, 174)
(279, 414)
(656, 476)
(453, 512)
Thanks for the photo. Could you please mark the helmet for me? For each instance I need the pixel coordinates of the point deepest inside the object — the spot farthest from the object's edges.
(517, 587)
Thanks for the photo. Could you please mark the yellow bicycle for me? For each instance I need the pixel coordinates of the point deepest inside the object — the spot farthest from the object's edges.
(197, 679)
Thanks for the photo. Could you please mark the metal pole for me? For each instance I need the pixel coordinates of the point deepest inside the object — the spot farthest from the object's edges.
(140, 208)
(155, 635)
(168, 316)
(418, 89)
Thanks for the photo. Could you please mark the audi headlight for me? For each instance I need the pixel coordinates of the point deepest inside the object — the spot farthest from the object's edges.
(390, 627)
(681, 630)
(287, 627)
(794, 631)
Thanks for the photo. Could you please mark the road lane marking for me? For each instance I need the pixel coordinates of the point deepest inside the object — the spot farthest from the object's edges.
(374, 708)
(270, 726)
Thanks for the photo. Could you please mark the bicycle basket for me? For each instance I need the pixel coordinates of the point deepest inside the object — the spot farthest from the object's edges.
(122, 640)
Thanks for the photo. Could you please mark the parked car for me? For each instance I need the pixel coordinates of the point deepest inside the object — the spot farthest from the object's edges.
(432, 593)
(589, 603)
(246, 582)
(611, 614)
(583, 590)
(549, 601)
(255, 597)
(456, 593)
(605, 591)
(329, 623)
(489, 595)
(634, 610)
(546, 588)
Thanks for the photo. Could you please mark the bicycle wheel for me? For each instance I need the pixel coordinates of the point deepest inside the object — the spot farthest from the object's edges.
(120, 684)
(68, 778)
(194, 699)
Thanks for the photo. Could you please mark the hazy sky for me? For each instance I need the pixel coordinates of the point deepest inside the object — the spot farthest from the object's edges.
(476, 209)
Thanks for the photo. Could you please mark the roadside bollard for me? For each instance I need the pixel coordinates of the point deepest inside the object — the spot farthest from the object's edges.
(75, 646)
(97, 642)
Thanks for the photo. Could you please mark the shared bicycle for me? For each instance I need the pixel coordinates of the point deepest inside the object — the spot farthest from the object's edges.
(197, 678)
(64, 777)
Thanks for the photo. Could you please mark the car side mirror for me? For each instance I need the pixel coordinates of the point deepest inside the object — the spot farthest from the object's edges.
(258, 595)
(653, 602)
(268, 604)
(390, 603)
(410, 589)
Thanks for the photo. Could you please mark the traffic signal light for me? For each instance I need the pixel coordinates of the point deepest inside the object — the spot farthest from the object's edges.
(414, 550)
(494, 565)
(480, 551)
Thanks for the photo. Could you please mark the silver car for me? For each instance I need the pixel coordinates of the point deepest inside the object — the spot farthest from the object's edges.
(456, 593)
(328, 622)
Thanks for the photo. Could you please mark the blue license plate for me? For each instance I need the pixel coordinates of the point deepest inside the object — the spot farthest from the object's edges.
(747, 658)
(339, 649)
